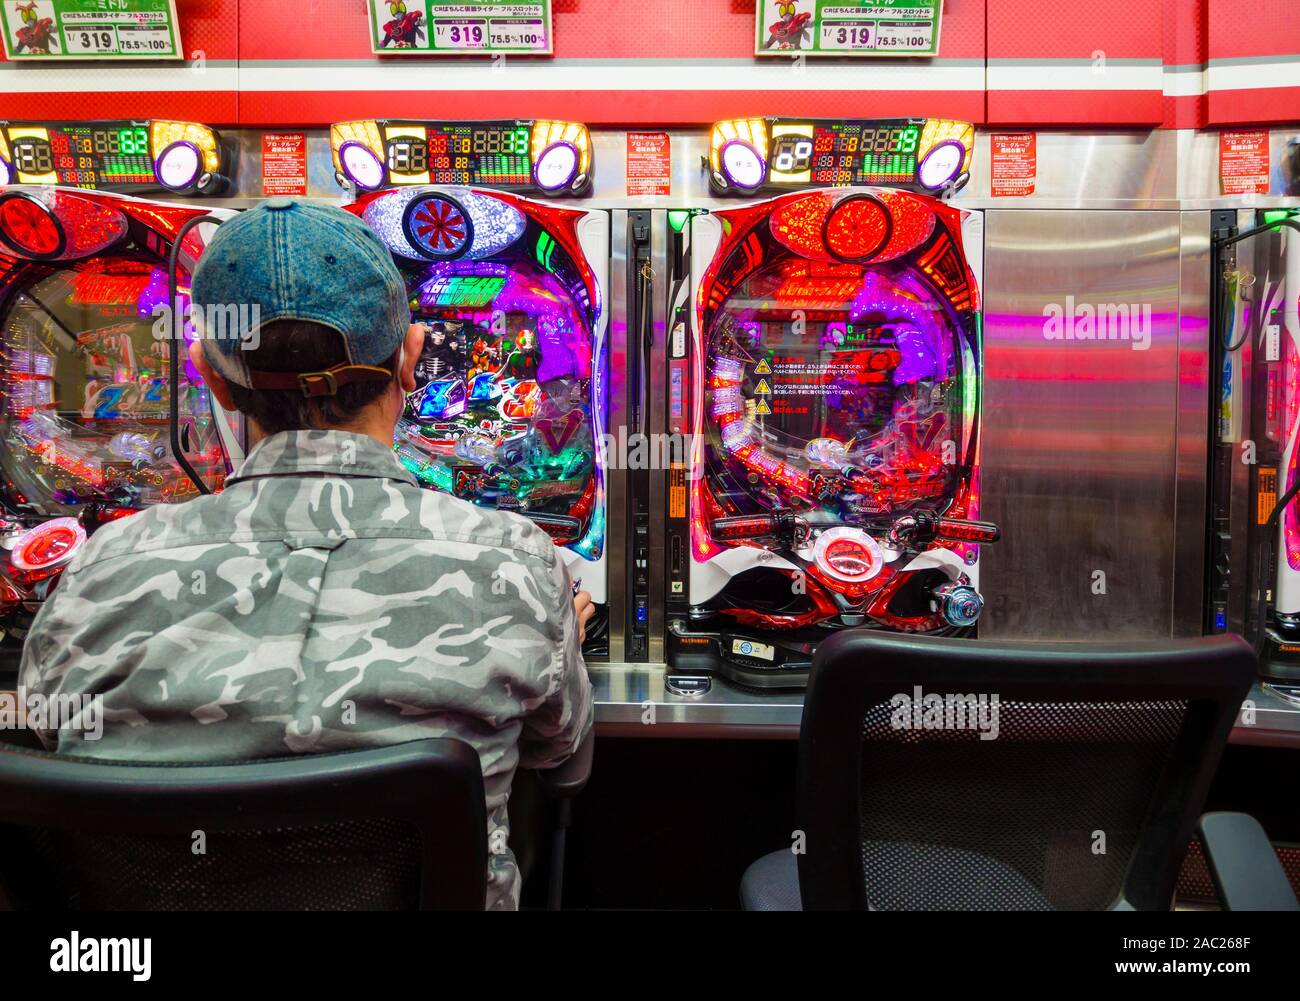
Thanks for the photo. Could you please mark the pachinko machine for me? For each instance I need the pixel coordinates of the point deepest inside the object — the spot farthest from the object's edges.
(826, 371)
(512, 403)
(86, 431)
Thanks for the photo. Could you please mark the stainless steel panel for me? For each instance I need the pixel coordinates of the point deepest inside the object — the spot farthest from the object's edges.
(1192, 428)
(1075, 169)
(631, 701)
(1155, 169)
(1079, 462)
(616, 539)
(1080, 169)
(1198, 172)
(632, 698)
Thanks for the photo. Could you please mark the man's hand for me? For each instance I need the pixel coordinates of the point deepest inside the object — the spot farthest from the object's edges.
(584, 609)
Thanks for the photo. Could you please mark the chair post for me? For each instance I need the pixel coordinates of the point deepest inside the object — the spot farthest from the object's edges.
(562, 785)
(555, 887)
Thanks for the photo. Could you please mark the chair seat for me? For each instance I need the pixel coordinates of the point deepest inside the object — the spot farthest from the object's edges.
(920, 877)
(772, 883)
(911, 876)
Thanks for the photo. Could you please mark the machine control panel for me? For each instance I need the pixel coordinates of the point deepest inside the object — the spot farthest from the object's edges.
(126, 156)
(768, 155)
(522, 155)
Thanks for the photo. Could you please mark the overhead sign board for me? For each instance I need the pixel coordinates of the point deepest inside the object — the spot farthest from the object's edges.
(460, 27)
(846, 28)
(60, 30)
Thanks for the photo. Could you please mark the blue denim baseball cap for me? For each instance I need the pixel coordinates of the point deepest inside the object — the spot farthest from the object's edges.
(288, 259)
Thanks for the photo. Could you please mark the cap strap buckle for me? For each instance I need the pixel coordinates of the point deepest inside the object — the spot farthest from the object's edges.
(313, 384)
(318, 383)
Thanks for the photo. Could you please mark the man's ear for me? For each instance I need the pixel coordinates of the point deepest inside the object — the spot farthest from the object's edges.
(412, 348)
(220, 389)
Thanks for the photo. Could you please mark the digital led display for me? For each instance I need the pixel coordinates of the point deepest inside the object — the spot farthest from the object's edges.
(495, 154)
(80, 155)
(113, 156)
(926, 154)
(553, 158)
(847, 153)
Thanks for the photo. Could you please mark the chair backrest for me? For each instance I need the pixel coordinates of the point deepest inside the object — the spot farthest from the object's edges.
(1083, 795)
(388, 828)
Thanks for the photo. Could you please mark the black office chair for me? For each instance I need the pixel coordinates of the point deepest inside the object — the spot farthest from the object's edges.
(390, 828)
(1086, 799)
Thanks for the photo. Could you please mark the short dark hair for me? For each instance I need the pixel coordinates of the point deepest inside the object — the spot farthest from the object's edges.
(303, 346)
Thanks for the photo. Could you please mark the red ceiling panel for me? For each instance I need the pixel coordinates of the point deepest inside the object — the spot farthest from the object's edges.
(1094, 63)
(1254, 61)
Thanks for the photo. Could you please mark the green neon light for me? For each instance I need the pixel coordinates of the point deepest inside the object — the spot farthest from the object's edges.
(678, 218)
(545, 248)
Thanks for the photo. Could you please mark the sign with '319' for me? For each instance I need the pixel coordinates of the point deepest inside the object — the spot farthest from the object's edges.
(460, 27)
(848, 27)
(90, 29)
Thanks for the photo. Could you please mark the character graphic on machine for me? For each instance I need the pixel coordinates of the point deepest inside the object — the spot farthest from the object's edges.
(505, 412)
(37, 35)
(405, 30)
(792, 31)
(836, 407)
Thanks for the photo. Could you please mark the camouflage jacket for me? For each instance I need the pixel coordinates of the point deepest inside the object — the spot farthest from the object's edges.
(322, 602)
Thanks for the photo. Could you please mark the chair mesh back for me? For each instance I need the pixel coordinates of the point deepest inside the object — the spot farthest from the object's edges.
(950, 821)
(371, 864)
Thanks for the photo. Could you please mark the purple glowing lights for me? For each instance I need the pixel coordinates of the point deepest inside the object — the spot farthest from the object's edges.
(556, 167)
(941, 165)
(742, 165)
(360, 165)
(178, 166)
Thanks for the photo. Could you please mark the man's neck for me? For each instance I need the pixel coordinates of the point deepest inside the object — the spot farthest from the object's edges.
(371, 429)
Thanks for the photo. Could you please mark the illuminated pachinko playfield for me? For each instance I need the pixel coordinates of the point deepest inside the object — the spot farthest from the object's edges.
(507, 411)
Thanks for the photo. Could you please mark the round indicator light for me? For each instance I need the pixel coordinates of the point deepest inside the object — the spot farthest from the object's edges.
(29, 227)
(360, 165)
(556, 167)
(438, 227)
(941, 165)
(849, 555)
(742, 165)
(857, 228)
(178, 166)
(51, 544)
(959, 604)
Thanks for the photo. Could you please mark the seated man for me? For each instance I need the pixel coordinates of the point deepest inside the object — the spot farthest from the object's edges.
(323, 601)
